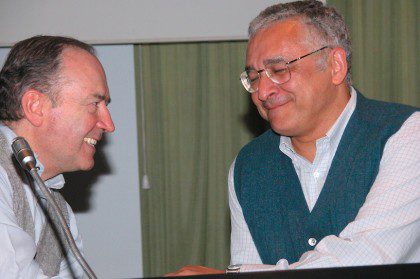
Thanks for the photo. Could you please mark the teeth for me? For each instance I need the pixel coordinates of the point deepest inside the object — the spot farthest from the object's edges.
(90, 141)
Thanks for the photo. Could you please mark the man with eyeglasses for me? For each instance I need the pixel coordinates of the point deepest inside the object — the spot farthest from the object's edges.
(335, 181)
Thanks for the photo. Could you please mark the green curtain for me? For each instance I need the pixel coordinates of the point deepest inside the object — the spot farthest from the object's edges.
(197, 118)
(385, 37)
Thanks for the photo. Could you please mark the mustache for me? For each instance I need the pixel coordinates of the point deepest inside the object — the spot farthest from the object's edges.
(277, 100)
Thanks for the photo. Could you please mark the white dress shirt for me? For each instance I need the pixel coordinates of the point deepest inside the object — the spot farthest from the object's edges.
(386, 229)
(18, 248)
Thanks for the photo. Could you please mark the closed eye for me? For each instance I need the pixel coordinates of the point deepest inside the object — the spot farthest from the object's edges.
(277, 68)
(279, 71)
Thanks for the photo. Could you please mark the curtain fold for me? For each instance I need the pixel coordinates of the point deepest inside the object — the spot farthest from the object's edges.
(196, 121)
(385, 37)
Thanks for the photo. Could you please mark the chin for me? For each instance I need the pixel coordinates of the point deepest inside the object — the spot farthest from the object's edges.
(87, 165)
(282, 123)
(277, 125)
(88, 168)
(281, 129)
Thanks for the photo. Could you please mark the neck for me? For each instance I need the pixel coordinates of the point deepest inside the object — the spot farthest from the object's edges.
(305, 149)
(22, 129)
(305, 145)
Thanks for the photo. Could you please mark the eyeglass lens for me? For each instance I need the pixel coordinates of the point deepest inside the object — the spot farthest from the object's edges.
(277, 72)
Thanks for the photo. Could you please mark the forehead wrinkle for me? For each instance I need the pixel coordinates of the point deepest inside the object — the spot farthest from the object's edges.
(291, 35)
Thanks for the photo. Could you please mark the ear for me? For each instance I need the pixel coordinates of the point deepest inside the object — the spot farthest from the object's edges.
(34, 104)
(339, 66)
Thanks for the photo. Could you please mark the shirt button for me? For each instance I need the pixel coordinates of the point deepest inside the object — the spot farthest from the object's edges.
(312, 241)
(316, 174)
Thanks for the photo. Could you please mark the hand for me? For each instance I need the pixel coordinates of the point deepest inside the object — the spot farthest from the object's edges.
(194, 270)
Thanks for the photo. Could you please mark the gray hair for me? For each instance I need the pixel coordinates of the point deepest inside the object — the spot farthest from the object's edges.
(326, 21)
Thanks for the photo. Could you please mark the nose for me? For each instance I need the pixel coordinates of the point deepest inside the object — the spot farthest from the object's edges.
(105, 121)
(266, 87)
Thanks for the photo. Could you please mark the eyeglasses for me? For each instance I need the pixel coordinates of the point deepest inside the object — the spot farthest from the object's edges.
(278, 72)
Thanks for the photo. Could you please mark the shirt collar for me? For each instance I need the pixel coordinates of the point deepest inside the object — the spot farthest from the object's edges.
(336, 131)
(56, 182)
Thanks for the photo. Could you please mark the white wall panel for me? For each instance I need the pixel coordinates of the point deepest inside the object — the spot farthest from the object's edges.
(128, 21)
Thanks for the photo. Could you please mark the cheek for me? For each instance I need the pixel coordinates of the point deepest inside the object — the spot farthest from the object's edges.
(255, 100)
(259, 105)
(302, 91)
(75, 128)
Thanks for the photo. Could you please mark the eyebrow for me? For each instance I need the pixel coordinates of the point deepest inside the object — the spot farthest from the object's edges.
(103, 98)
(273, 60)
(268, 61)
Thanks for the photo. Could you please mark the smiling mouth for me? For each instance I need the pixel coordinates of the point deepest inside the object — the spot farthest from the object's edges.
(90, 141)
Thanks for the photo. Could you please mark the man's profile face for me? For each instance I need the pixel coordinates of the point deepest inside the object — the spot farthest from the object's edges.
(81, 117)
(298, 105)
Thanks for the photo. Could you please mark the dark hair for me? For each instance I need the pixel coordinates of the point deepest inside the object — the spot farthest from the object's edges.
(330, 27)
(33, 63)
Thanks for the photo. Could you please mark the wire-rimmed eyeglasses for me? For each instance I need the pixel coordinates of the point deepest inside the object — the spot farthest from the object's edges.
(277, 71)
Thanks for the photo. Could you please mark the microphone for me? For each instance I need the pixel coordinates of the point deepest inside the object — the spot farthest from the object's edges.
(26, 158)
(23, 153)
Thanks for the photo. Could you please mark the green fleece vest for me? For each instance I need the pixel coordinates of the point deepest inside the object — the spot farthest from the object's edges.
(271, 197)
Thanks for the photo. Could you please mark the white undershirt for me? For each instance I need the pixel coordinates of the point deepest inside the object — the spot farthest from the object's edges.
(387, 228)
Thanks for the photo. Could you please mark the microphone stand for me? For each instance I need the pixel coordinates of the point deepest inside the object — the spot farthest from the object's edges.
(26, 159)
(63, 223)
